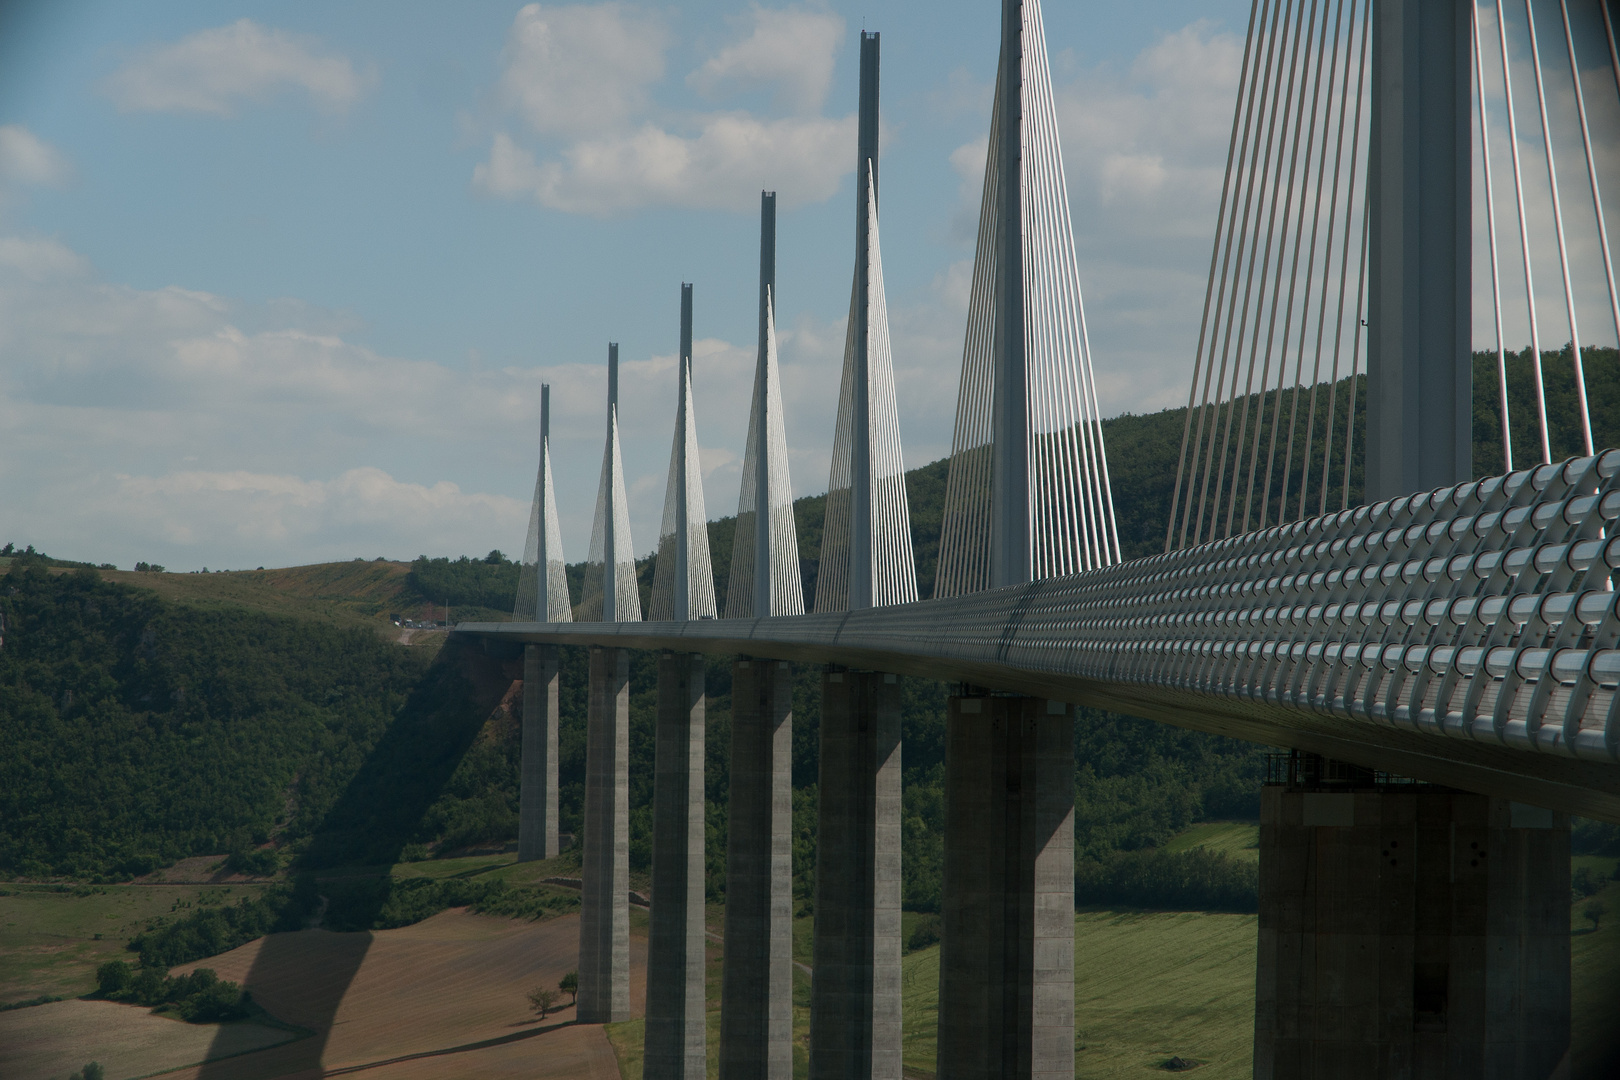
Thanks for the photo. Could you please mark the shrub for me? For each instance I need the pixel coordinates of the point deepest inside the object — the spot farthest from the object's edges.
(200, 997)
(147, 987)
(924, 934)
(255, 862)
(541, 999)
(113, 979)
(1195, 880)
(212, 931)
(218, 1002)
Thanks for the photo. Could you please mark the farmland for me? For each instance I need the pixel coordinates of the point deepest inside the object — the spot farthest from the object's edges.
(445, 997)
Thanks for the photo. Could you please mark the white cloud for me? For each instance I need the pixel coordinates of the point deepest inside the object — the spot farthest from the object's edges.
(252, 512)
(582, 67)
(580, 77)
(28, 160)
(211, 71)
(40, 259)
(791, 49)
(732, 157)
(1144, 152)
(149, 424)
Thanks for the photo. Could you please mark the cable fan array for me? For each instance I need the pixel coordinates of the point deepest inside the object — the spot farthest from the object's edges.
(1027, 398)
(1264, 442)
(1291, 239)
(1514, 49)
(1071, 510)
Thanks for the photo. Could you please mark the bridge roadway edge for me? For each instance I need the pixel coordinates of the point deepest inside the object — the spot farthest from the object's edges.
(1572, 785)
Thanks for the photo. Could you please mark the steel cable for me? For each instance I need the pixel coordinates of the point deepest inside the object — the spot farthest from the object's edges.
(1490, 219)
(1293, 280)
(1558, 229)
(1280, 22)
(1248, 292)
(1524, 237)
(1209, 289)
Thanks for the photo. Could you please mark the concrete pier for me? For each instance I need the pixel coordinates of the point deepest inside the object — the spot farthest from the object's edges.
(604, 925)
(855, 989)
(1006, 974)
(1410, 932)
(676, 1046)
(537, 788)
(756, 992)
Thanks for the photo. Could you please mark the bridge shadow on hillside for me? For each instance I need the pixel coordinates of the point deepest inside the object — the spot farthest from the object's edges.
(302, 978)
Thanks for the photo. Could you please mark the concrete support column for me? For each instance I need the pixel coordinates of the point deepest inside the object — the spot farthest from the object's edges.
(1006, 971)
(604, 925)
(756, 991)
(1410, 932)
(1420, 418)
(675, 1046)
(855, 989)
(537, 789)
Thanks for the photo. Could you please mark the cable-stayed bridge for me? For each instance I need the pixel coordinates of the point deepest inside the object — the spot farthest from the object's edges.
(1446, 652)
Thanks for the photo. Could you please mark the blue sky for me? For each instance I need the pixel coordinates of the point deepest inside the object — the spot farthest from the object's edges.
(279, 281)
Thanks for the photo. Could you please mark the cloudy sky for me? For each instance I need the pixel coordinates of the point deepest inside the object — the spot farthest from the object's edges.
(279, 282)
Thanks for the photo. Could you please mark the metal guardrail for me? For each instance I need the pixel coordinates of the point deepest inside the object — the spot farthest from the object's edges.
(1476, 623)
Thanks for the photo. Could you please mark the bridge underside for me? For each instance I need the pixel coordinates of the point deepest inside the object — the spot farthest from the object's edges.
(1591, 789)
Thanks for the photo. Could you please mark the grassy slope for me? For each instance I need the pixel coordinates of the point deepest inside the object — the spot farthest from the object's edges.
(344, 594)
(49, 939)
(1148, 985)
(1238, 839)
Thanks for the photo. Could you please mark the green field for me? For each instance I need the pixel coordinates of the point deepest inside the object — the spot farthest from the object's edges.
(1595, 972)
(1238, 839)
(52, 937)
(1148, 986)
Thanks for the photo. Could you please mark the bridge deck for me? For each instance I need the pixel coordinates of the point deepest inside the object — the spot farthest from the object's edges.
(1466, 637)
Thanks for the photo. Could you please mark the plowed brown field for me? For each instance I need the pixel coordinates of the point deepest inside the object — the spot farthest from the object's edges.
(444, 998)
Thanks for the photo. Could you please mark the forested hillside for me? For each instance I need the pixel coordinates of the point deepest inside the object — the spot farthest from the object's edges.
(138, 732)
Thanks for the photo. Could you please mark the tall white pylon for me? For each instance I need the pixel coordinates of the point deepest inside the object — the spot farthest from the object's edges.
(683, 581)
(866, 556)
(1027, 496)
(542, 582)
(611, 593)
(765, 577)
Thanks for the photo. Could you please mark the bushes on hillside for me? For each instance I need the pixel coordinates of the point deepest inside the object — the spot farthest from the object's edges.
(1195, 880)
(365, 903)
(211, 931)
(386, 903)
(255, 862)
(490, 582)
(200, 998)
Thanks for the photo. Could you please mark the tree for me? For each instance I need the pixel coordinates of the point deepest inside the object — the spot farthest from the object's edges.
(1594, 912)
(92, 1071)
(542, 999)
(113, 978)
(570, 986)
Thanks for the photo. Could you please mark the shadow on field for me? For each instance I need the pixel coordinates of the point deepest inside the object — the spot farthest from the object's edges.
(305, 976)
